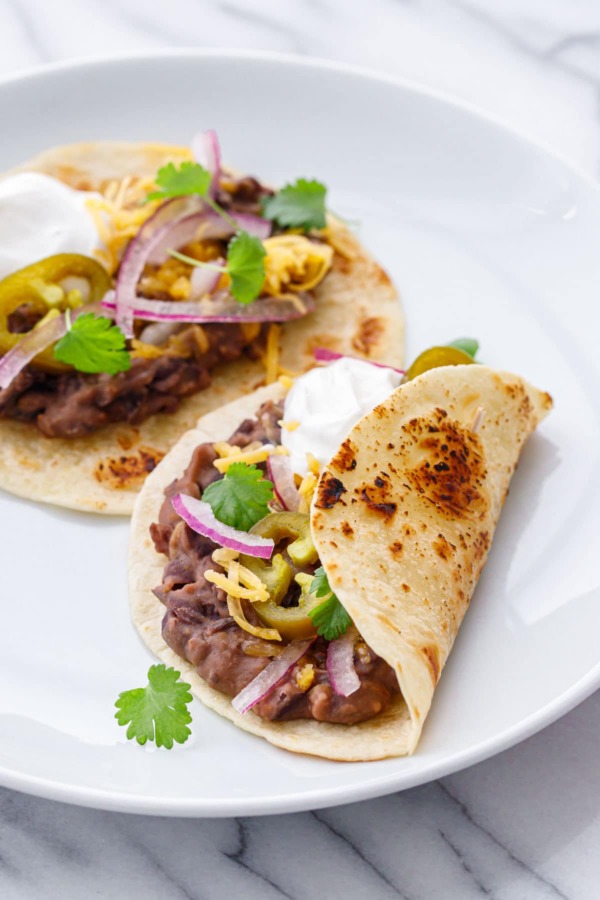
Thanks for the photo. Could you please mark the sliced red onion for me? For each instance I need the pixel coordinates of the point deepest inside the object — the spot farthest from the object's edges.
(254, 225)
(204, 281)
(217, 309)
(37, 340)
(280, 473)
(270, 676)
(149, 239)
(323, 354)
(340, 665)
(207, 152)
(201, 519)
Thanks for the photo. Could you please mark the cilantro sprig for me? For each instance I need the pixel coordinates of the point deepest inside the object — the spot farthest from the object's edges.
(467, 345)
(245, 266)
(189, 178)
(93, 344)
(157, 712)
(241, 498)
(298, 205)
(329, 618)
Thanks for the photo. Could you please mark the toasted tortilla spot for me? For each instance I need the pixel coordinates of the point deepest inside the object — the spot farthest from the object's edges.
(431, 654)
(347, 529)
(128, 439)
(329, 491)
(121, 472)
(346, 456)
(368, 334)
(444, 549)
(387, 510)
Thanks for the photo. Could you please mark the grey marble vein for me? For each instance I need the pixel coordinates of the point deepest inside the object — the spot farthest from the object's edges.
(321, 817)
(553, 891)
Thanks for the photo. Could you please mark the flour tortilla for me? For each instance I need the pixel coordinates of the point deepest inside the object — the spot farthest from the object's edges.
(404, 558)
(357, 312)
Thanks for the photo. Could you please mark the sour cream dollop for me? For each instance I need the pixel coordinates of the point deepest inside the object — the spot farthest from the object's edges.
(327, 402)
(41, 216)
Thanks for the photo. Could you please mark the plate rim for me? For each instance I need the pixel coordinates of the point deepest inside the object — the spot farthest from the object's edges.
(117, 801)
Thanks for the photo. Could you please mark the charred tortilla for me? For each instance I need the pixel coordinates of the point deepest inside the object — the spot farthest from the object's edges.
(403, 519)
(357, 312)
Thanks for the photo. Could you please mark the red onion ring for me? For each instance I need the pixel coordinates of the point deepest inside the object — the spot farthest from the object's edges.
(204, 281)
(280, 473)
(271, 675)
(340, 664)
(201, 519)
(207, 152)
(37, 340)
(323, 354)
(216, 309)
(149, 239)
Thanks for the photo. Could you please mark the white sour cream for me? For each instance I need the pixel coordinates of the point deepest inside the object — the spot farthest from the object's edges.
(327, 402)
(41, 216)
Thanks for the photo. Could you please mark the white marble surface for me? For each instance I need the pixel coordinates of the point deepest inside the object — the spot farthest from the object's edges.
(523, 825)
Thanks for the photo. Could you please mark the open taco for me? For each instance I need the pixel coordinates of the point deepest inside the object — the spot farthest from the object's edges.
(325, 628)
(82, 244)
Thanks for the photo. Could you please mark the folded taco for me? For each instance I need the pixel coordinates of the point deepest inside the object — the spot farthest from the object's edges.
(318, 613)
(143, 285)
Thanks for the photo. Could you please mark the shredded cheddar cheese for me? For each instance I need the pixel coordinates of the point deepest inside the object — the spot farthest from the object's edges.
(313, 463)
(118, 216)
(288, 426)
(294, 263)
(286, 381)
(306, 490)
(239, 584)
(271, 357)
(304, 676)
(250, 457)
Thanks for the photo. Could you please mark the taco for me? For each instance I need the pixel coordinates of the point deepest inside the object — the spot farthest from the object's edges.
(82, 427)
(333, 644)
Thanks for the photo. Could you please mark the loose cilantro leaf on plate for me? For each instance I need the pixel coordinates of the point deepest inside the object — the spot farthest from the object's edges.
(93, 344)
(246, 267)
(189, 178)
(159, 711)
(241, 498)
(329, 618)
(467, 345)
(298, 205)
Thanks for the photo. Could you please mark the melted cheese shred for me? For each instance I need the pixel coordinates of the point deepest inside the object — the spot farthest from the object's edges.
(294, 263)
(250, 457)
(119, 215)
(239, 583)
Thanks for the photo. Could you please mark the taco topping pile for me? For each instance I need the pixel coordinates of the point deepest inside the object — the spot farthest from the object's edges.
(147, 287)
(248, 623)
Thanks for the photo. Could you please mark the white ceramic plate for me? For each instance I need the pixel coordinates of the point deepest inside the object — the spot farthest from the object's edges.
(485, 234)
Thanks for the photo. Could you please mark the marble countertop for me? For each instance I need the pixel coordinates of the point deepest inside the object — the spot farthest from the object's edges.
(523, 825)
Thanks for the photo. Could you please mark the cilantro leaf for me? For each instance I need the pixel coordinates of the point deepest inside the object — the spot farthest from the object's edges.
(241, 498)
(467, 345)
(246, 267)
(190, 178)
(298, 205)
(329, 618)
(93, 344)
(159, 711)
